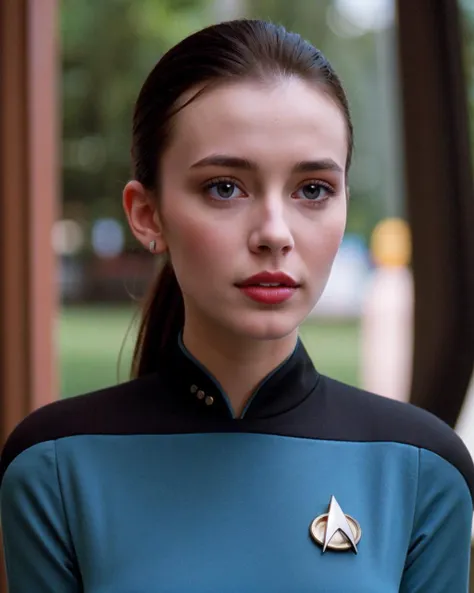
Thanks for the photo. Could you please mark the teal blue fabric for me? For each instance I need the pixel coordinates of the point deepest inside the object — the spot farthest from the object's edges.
(230, 513)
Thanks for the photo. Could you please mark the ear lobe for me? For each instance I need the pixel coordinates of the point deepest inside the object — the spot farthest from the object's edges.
(141, 210)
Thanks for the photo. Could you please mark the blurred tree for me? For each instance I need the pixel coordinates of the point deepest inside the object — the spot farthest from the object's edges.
(108, 48)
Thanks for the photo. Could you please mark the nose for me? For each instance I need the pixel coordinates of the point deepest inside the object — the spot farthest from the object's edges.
(270, 231)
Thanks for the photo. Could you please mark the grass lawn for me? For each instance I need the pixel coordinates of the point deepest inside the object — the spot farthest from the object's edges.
(90, 339)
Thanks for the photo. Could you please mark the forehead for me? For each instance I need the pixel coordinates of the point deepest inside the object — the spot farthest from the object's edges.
(286, 120)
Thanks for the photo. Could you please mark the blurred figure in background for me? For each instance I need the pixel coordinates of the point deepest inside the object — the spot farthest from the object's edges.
(387, 317)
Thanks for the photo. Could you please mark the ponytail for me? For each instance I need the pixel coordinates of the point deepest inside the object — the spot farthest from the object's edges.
(162, 320)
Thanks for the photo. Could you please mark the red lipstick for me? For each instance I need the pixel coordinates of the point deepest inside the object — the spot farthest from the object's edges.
(270, 288)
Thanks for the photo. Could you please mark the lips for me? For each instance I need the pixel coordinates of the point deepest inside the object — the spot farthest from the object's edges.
(270, 280)
(269, 288)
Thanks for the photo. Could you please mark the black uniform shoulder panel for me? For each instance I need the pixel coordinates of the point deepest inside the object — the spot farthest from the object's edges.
(356, 415)
(154, 405)
(117, 409)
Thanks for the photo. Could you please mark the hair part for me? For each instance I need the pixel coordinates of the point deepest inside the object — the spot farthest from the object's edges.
(231, 51)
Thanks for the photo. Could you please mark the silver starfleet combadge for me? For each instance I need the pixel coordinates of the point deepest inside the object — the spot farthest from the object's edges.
(336, 531)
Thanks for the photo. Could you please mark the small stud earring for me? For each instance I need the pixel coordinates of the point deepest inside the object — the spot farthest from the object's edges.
(152, 246)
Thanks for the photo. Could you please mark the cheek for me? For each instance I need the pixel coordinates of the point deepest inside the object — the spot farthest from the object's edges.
(195, 245)
(323, 242)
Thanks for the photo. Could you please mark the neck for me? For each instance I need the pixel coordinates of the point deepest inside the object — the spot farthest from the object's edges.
(239, 364)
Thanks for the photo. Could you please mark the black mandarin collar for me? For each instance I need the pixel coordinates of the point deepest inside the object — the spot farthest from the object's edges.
(198, 393)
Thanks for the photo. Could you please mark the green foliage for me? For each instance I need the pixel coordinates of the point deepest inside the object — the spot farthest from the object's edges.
(108, 48)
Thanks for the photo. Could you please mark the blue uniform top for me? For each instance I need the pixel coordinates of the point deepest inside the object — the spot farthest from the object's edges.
(153, 486)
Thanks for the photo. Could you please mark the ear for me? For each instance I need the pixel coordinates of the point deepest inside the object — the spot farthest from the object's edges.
(142, 215)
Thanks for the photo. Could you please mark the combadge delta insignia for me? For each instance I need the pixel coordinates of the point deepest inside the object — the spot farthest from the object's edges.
(336, 531)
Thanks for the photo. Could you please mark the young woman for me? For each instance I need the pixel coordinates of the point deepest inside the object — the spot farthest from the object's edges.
(229, 463)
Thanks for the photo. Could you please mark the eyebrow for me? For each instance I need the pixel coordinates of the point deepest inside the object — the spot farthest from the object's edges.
(232, 162)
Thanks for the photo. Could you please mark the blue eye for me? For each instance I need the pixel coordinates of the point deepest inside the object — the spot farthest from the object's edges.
(314, 192)
(223, 190)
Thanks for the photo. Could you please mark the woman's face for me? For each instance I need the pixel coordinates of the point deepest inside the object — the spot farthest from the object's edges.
(253, 181)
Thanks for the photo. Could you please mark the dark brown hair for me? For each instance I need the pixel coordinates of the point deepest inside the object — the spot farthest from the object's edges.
(230, 51)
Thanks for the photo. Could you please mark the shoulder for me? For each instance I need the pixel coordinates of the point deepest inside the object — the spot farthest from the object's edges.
(364, 416)
(109, 410)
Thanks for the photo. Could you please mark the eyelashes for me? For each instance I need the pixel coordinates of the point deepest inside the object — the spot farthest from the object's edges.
(226, 189)
(311, 191)
(223, 189)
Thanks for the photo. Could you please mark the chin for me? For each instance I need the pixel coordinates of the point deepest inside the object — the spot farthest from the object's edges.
(263, 325)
